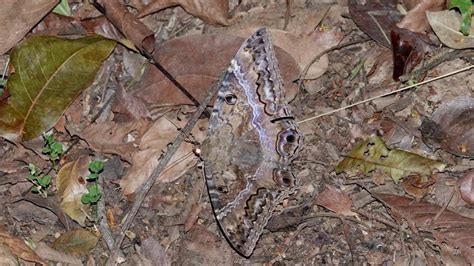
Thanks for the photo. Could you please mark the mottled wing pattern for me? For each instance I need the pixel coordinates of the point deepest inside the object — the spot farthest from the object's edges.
(252, 139)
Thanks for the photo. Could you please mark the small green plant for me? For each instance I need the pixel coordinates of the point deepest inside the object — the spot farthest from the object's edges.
(52, 147)
(94, 194)
(41, 182)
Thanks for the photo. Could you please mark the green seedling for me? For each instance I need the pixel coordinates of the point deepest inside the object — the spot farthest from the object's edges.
(94, 194)
(52, 147)
(41, 182)
(63, 8)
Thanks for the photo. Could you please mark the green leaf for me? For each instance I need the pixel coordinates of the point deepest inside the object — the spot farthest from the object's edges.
(49, 73)
(63, 8)
(44, 181)
(86, 199)
(33, 169)
(96, 166)
(373, 154)
(465, 6)
(92, 176)
(93, 196)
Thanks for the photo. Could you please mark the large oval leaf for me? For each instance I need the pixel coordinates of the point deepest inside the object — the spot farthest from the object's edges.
(49, 73)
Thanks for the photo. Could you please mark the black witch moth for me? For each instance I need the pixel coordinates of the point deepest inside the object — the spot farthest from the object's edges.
(252, 139)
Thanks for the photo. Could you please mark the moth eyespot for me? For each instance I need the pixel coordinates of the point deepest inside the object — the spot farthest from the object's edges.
(288, 143)
(283, 178)
(230, 99)
(290, 138)
(222, 189)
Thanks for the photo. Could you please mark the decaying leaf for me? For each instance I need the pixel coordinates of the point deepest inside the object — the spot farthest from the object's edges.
(116, 138)
(449, 227)
(446, 25)
(451, 127)
(17, 17)
(71, 185)
(200, 246)
(18, 248)
(465, 7)
(408, 51)
(49, 73)
(416, 20)
(335, 200)
(187, 59)
(153, 144)
(373, 154)
(78, 242)
(135, 31)
(213, 12)
(466, 187)
(376, 18)
(417, 186)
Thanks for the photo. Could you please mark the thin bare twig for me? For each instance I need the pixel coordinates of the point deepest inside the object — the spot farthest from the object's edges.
(140, 196)
(386, 94)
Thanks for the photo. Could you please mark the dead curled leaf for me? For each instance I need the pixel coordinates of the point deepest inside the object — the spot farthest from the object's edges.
(466, 187)
(140, 35)
(446, 25)
(71, 185)
(152, 145)
(213, 12)
(415, 20)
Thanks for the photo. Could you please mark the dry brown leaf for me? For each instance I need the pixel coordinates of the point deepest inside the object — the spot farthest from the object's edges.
(77, 242)
(54, 24)
(47, 253)
(449, 228)
(335, 200)
(417, 185)
(202, 247)
(213, 12)
(187, 58)
(153, 253)
(416, 19)
(6, 256)
(303, 48)
(116, 138)
(452, 127)
(71, 185)
(128, 104)
(376, 18)
(19, 248)
(446, 25)
(466, 187)
(17, 17)
(152, 145)
(137, 32)
(192, 216)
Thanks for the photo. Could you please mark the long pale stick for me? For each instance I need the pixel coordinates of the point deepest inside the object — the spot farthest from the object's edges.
(386, 94)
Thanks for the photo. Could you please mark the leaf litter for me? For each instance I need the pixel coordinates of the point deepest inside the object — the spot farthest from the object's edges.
(334, 219)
